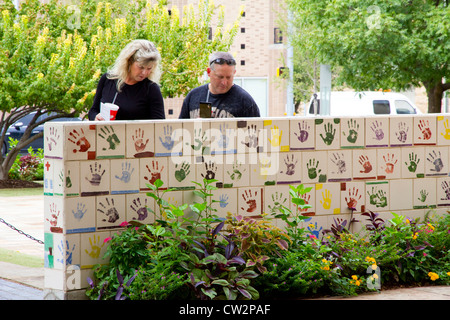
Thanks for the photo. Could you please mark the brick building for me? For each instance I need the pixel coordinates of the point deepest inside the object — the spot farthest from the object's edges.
(258, 48)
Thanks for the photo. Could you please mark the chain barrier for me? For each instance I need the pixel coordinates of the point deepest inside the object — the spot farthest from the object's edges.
(21, 232)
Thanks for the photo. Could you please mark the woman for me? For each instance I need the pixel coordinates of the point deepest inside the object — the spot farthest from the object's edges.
(132, 84)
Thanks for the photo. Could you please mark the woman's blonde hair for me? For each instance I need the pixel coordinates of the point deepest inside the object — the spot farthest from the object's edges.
(141, 51)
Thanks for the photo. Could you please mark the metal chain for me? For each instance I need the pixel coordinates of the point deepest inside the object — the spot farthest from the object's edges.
(21, 232)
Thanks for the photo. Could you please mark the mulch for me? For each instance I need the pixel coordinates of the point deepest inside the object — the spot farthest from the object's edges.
(16, 184)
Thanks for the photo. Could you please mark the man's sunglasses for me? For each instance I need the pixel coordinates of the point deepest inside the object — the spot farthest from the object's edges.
(230, 62)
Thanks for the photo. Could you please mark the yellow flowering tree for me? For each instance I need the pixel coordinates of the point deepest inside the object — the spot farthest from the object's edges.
(52, 54)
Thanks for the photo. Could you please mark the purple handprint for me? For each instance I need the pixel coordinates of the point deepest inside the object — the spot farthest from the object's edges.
(304, 131)
(376, 128)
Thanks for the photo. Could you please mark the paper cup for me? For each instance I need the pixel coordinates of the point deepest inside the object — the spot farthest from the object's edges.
(108, 111)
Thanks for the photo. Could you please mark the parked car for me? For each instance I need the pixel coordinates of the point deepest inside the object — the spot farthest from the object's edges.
(17, 129)
(365, 103)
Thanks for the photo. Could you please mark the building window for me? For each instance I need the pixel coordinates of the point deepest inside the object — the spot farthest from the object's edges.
(242, 62)
(242, 30)
(277, 36)
(243, 46)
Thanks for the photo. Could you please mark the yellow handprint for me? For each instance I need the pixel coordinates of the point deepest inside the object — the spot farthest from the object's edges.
(446, 135)
(95, 249)
(326, 200)
(276, 134)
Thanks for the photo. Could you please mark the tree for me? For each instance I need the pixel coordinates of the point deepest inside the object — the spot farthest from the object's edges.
(379, 44)
(52, 55)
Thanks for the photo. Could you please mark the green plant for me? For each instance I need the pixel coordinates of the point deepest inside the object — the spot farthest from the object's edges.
(27, 167)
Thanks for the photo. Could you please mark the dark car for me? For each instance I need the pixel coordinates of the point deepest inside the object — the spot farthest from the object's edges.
(17, 129)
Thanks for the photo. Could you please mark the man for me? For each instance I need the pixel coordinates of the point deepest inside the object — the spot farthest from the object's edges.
(227, 99)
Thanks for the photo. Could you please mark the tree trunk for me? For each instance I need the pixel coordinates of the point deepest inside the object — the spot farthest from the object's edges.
(435, 91)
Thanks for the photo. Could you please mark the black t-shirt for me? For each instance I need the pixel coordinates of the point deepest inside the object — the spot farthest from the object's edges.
(235, 103)
(140, 101)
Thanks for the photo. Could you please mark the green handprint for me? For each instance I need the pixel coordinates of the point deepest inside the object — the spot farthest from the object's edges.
(353, 132)
(413, 162)
(378, 198)
(329, 134)
(184, 170)
(312, 168)
(423, 195)
(110, 136)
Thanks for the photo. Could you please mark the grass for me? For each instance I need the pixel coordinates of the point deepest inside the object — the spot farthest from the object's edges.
(21, 192)
(21, 259)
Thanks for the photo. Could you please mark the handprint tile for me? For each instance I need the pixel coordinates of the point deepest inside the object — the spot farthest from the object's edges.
(228, 201)
(196, 138)
(152, 169)
(66, 251)
(339, 165)
(424, 193)
(302, 134)
(95, 177)
(54, 140)
(413, 162)
(236, 174)
(328, 198)
(265, 171)
(352, 131)
(436, 163)
(443, 130)
(250, 136)
(327, 134)
(389, 163)
(111, 211)
(402, 200)
(223, 137)
(309, 198)
(290, 170)
(80, 214)
(443, 191)
(377, 196)
(425, 130)
(401, 131)
(93, 249)
(364, 164)
(111, 142)
(124, 176)
(211, 167)
(140, 207)
(140, 139)
(352, 196)
(276, 197)
(314, 168)
(67, 178)
(168, 139)
(377, 132)
(181, 172)
(250, 201)
(277, 132)
(53, 214)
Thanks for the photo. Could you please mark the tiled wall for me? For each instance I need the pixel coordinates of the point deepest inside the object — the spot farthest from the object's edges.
(96, 175)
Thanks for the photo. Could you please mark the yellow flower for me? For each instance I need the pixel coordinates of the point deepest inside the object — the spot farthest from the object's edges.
(369, 259)
(431, 226)
(415, 236)
(433, 276)
(448, 273)
(374, 266)
(354, 277)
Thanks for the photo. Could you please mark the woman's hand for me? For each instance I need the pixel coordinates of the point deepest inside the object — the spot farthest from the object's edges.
(99, 117)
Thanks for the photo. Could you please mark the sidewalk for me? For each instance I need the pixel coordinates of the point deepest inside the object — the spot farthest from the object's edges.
(22, 283)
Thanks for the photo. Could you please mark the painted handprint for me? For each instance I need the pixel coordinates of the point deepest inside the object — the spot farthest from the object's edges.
(377, 198)
(446, 188)
(390, 162)
(52, 138)
(96, 174)
(183, 171)
(424, 127)
(353, 128)
(223, 201)
(80, 211)
(313, 170)
(66, 252)
(251, 140)
(211, 169)
(127, 171)
(140, 209)
(167, 140)
(446, 133)
(110, 136)
(290, 165)
(436, 160)
(109, 211)
(338, 160)
(353, 198)
(223, 139)
(402, 133)
(236, 173)
(326, 197)
(95, 248)
(250, 200)
(329, 134)
(54, 214)
(79, 139)
(278, 200)
(199, 139)
(312, 228)
(138, 138)
(377, 130)
(304, 128)
(155, 172)
(423, 195)
(413, 162)
(275, 134)
(365, 163)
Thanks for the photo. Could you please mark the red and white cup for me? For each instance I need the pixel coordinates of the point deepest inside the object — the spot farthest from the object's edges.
(108, 111)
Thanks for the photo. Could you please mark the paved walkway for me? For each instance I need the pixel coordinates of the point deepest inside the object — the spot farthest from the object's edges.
(22, 283)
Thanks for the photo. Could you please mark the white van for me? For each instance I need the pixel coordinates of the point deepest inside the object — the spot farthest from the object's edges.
(364, 103)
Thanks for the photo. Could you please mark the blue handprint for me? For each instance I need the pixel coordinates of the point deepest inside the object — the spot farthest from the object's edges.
(126, 174)
(313, 229)
(168, 141)
(223, 141)
(223, 200)
(81, 210)
(66, 253)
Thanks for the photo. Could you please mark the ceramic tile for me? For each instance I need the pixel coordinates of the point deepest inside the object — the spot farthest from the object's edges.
(53, 214)
(111, 141)
(289, 171)
(168, 139)
(223, 136)
(196, 138)
(236, 174)
(80, 141)
(425, 129)
(314, 168)
(401, 195)
(328, 198)
(377, 132)
(49, 176)
(93, 249)
(436, 163)
(365, 164)
(250, 136)
(94, 177)
(302, 134)
(327, 133)
(124, 176)
(443, 130)
(228, 201)
(353, 196)
(276, 197)
(140, 139)
(277, 131)
(310, 200)
(250, 201)
(389, 163)
(352, 133)
(339, 165)
(53, 140)
(401, 131)
(181, 172)
(210, 167)
(79, 215)
(377, 196)
(424, 193)
(316, 225)
(443, 191)
(152, 169)
(265, 171)
(140, 207)
(111, 211)
(66, 251)
(413, 162)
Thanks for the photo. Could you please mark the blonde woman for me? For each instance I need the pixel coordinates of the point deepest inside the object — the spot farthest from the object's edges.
(132, 84)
